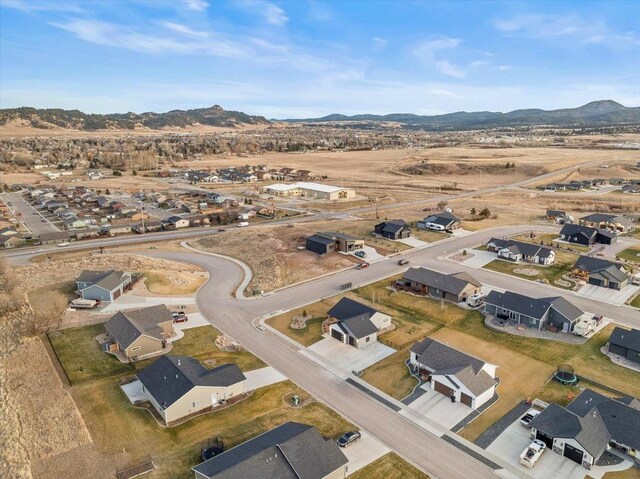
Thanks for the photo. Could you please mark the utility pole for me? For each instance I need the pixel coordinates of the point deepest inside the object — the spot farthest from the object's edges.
(142, 214)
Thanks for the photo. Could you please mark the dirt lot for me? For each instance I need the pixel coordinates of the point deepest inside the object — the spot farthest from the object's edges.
(389, 466)
(173, 283)
(278, 261)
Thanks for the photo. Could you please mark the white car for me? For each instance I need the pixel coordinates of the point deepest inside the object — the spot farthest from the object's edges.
(243, 224)
(532, 453)
(62, 245)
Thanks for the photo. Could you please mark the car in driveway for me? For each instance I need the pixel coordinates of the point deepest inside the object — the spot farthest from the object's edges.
(348, 438)
(532, 453)
(360, 254)
(528, 417)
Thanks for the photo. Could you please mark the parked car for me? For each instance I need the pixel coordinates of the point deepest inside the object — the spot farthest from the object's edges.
(402, 262)
(62, 245)
(529, 415)
(363, 266)
(243, 224)
(181, 319)
(348, 438)
(532, 453)
(360, 254)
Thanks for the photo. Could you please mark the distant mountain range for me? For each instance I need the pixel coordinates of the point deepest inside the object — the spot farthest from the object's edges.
(77, 120)
(594, 114)
(597, 113)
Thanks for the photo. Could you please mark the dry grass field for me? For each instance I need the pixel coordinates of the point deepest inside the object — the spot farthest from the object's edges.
(389, 466)
(278, 261)
(173, 283)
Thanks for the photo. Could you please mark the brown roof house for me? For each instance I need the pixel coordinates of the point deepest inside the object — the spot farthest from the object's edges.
(140, 333)
(179, 386)
(456, 287)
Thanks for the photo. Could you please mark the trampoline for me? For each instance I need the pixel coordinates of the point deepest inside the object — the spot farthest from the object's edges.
(565, 375)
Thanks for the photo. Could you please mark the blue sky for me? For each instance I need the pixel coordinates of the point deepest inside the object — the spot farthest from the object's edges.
(310, 58)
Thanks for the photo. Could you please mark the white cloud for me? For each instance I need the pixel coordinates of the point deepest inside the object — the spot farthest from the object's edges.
(550, 27)
(379, 43)
(429, 53)
(40, 6)
(271, 12)
(196, 5)
(184, 29)
(119, 36)
(504, 68)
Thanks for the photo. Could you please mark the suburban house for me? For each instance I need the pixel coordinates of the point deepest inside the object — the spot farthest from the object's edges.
(102, 285)
(536, 313)
(442, 221)
(289, 451)
(178, 386)
(457, 375)
(625, 343)
(54, 237)
(512, 250)
(607, 221)
(558, 216)
(393, 229)
(177, 222)
(455, 287)
(140, 333)
(11, 240)
(586, 235)
(311, 190)
(588, 426)
(327, 242)
(601, 272)
(356, 324)
(631, 189)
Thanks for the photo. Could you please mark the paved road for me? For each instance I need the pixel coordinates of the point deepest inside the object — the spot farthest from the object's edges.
(30, 217)
(233, 316)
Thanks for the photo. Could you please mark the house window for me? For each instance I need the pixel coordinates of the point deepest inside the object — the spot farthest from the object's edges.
(136, 348)
(368, 338)
(194, 404)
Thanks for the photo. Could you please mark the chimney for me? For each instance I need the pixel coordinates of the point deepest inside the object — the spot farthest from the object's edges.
(178, 362)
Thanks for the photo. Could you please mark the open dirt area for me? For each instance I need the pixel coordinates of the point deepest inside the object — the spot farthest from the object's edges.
(273, 255)
(171, 283)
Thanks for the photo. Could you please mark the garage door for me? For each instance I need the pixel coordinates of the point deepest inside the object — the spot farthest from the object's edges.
(442, 389)
(337, 335)
(117, 294)
(573, 453)
(544, 438)
(464, 399)
(353, 342)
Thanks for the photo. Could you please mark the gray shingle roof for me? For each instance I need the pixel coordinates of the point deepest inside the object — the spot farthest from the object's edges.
(533, 307)
(593, 420)
(626, 338)
(348, 308)
(601, 268)
(336, 234)
(320, 239)
(393, 226)
(606, 217)
(126, 326)
(290, 451)
(171, 377)
(451, 283)
(574, 229)
(360, 326)
(521, 247)
(108, 280)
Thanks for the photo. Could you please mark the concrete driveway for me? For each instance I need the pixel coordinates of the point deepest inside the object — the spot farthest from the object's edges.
(479, 259)
(363, 452)
(348, 357)
(259, 378)
(127, 301)
(372, 254)
(608, 295)
(510, 444)
(413, 242)
(439, 408)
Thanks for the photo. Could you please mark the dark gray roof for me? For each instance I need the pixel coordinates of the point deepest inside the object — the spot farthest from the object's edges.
(359, 326)
(290, 451)
(56, 235)
(593, 420)
(108, 280)
(126, 326)
(447, 361)
(520, 247)
(606, 217)
(451, 283)
(556, 213)
(533, 307)
(626, 338)
(348, 308)
(174, 219)
(393, 226)
(601, 268)
(574, 229)
(171, 377)
(444, 218)
(321, 239)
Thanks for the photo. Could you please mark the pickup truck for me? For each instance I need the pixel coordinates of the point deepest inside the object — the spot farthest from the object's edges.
(532, 453)
(528, 416)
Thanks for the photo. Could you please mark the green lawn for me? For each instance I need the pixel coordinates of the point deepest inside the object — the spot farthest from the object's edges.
(81, 356)
(389, 466)
(117, 427)
(563, 264)
(630, 254)
(636, 302)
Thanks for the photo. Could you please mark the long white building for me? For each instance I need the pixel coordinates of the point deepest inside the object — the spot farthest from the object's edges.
(312, 190)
